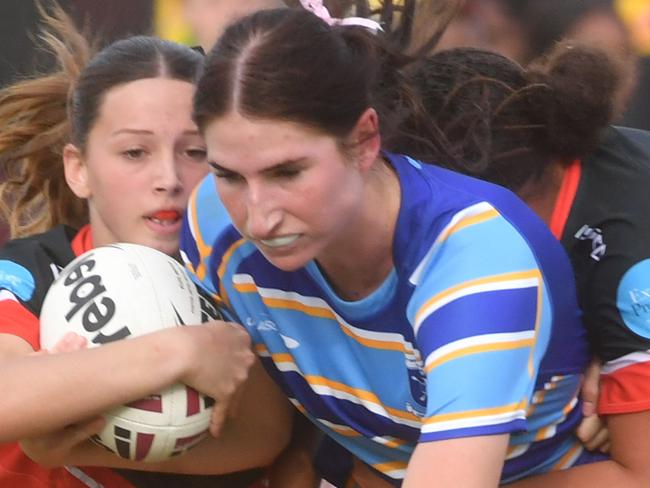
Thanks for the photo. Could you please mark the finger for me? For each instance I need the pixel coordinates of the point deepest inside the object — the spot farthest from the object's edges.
(605, 447)
(218, 417)
(589, 409)
(590, 388)
(589, 428)
(69, 342)
(601, 438)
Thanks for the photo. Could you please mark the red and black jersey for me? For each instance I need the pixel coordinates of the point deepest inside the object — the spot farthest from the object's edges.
(28, 267)
(602, 216)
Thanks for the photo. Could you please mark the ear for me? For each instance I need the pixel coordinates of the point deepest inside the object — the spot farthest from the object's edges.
(366, 139)
(76, 173)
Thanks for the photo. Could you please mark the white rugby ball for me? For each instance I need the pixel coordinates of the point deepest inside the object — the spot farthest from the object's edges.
(125, 290)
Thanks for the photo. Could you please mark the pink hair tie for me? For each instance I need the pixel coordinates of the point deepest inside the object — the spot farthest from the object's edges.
(317, 8)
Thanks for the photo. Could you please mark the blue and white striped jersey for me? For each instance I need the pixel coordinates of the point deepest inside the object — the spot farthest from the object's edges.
(476, 331)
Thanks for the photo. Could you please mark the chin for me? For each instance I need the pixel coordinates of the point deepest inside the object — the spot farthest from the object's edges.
(287, 263)
(169, 248)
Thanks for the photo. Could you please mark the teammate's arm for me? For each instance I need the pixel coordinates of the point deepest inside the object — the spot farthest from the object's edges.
(45, 392)
(254, 438)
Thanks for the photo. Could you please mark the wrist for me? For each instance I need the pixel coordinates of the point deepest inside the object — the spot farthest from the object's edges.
(173, 353)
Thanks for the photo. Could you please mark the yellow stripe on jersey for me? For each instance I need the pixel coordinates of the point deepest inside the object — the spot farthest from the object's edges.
(569, 458)
(366, 398)
(395, 469)
(203, 248)
(221, 271)
(467, 222)
(391, 442)
(465, 288)
(481, 412)
(538, 319)
(286, 303)
(480, 348)
(285, 362)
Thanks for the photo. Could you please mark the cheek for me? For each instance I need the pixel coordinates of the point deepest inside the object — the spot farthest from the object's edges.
(233, 201)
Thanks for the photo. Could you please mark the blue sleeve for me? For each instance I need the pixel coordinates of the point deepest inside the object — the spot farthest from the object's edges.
(482, 322)
(206, 241)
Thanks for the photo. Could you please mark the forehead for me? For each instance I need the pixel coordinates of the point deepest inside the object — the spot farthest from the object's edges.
(147, 101)
(245, 144)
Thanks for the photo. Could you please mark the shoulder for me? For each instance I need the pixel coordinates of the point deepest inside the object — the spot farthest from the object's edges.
(206, 216)
(29, 265)
(620, 163)
(442, 209)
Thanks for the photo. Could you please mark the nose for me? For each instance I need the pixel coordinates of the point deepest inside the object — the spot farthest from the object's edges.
(263, 217)
(167, 176)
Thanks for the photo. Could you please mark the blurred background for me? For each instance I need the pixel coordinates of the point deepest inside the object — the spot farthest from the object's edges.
(520, 29)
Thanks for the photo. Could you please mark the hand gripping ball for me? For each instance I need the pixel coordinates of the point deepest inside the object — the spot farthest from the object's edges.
(125, 290)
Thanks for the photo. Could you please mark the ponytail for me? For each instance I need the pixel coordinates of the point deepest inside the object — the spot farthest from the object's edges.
(578, 100)
(492, 119)
(34, 129)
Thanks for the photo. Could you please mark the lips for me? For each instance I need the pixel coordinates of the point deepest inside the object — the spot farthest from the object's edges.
(165, 216)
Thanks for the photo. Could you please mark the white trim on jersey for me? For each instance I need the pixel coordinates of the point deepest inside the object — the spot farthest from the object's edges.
(7, 295)
(318, 304)
(477, 340)
(627, 360)
(474, 421)
(471, 211)
(495, 285)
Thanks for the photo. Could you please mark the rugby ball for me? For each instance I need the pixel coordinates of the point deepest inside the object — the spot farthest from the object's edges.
(121, 291)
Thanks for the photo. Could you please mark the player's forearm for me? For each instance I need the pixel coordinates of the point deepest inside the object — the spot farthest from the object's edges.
(49, 391)
(628, 467)
(604, 474)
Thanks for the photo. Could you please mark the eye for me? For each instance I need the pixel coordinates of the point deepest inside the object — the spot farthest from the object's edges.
(286, 172)
(224, 174)
(134, 154)
(196, 153)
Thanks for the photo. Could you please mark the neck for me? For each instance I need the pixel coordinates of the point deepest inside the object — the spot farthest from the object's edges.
(359, 264)
(541, 194)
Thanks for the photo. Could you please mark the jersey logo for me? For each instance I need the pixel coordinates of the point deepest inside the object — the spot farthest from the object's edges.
(17, 279)
(633, 298)
(418, 385)
(595, 235)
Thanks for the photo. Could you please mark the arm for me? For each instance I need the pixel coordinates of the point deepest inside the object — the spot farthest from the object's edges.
(294, 468)
(254, 438)
(470, 462)
(630, 441)
(211, 358)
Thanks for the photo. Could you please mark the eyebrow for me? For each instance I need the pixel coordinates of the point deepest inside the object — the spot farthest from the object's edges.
(147, 132)
(270, 169)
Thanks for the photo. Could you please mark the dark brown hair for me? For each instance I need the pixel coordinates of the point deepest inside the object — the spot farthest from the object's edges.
(495, 120)
(290, 65)
(39, 116)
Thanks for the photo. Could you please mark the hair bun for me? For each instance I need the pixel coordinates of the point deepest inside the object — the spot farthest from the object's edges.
(582, 86)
